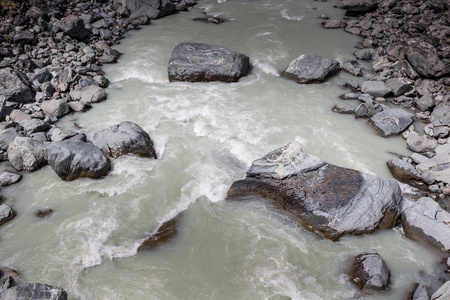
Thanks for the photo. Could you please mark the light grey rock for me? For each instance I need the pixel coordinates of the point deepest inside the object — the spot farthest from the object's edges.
(7, 136)
(34, 291)
(324, 198)
(195, 62)
(425, 102)
(428, 224)
(124, 138)
(333, 24)
(311, 69)
(6, 214)
(400, 86)
(438, 167)
(424, 59)
(405, 172)
(421, 293)
(391, 122)
(56, 107)
(343, 108)
(352, 84)
(369, 271)
(441, 114)
(350, 68)
(443, 149)
(74, 27)
(75, 159)
(79, 106)
(420, 143)
(15, 86)
(418, 158)
(8, 178)
(364, 54)
(375, 88)
(27, 154)
(350, 96)
(152, 9)
(57, 134)
(18, 116)
(89, 94)
(443, 293)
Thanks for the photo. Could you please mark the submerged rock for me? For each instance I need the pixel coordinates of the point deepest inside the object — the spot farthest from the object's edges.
(327, 199)
(124, 138)
(311, 69)
(34, 291)
(427, 223)
(370, 272)
(77, 159)
(196, 62)
(163, 234)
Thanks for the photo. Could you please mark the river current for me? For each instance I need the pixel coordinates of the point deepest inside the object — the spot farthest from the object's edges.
(206, 136)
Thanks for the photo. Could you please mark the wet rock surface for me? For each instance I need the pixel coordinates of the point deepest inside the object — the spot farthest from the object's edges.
(369, 271)
(34, 291)
(325, 198)
(311, 69)
(197, 62)
(166, 232)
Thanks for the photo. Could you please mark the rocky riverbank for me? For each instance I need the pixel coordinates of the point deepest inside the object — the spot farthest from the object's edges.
(407, 43)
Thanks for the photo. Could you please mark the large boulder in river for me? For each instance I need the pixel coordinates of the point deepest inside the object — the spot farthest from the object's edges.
(196, 62)
(424, 59)
(153, 9)
(27, 154)
(124, 138)
(15, 86)
(391, 121)
(326, 199)
(76, 159)
(427, 223)
(34, 291)
(311, 69)
(369, 271)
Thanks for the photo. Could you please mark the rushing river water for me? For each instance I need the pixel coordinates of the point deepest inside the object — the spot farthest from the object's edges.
(206, 136)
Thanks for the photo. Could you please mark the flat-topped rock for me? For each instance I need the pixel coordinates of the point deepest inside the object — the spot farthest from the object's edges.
(311, 69)
(124, 138)
(77, 159)
(324, 198)
(427, 223)
(196, 62)
(391, 121)
(375, 88)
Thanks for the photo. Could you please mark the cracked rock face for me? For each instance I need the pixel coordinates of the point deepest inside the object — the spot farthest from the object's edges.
(427, 223)
(326, 199)
(370, 272)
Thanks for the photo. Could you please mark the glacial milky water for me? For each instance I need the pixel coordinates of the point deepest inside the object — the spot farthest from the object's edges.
(206, 136)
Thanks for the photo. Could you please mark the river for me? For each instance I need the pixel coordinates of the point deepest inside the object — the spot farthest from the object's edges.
(206, 136)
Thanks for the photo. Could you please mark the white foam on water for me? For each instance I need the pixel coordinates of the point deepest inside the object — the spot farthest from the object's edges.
(285, 14)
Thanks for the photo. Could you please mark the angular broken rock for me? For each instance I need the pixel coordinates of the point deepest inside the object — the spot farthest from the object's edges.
(27, 154)
(370, 272)
(15, 86)
(391, 121)
(8, 178)
(324, 198)
(424, 59)
(34, 291)
(438, 167)
(427, 223)
(196, 62)
(311, 69)
(6, 214)
(124, 138)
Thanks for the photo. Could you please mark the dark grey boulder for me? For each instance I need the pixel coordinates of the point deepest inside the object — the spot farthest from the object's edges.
(74, 27)
(195, 62)
(8, 178)
(343, 108)
(350, 68)
(27, 154)
(34, 291)
(311, 69)
(425, 102)
(24, 37)
(426, 222)
(424, 59)
(166, 232)
(391, 122)
(43, 75)
(364, 54)
(367, 110)
(359, 6)
(75, 159)
(15, 86)
(124, 138)
(6, 215)
(152, 9)
(33, 126)
(369, 271)
(326, 199)
(400, 86)
(405, 172)
(375, 88)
